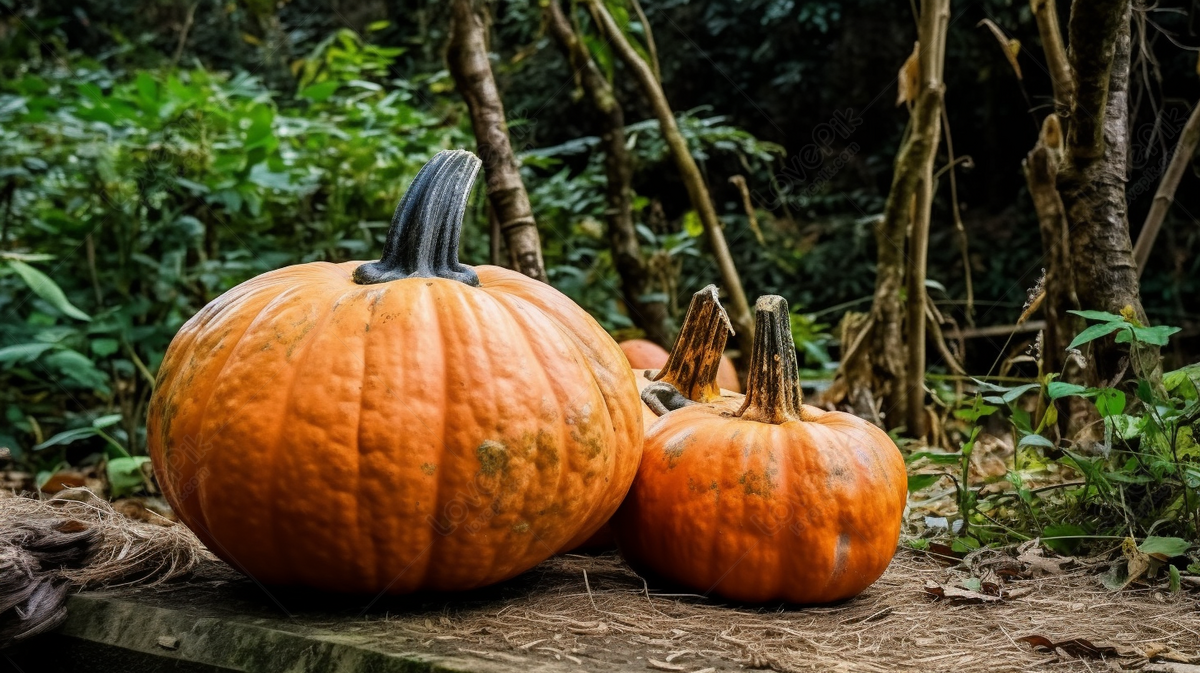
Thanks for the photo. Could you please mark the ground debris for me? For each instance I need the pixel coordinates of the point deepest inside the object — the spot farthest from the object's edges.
(921, 615)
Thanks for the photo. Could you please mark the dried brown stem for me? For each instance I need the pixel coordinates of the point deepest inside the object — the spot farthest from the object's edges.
(1046, 15)
(751, 217)
(1165, 195)
(694, 361)
(773, 392)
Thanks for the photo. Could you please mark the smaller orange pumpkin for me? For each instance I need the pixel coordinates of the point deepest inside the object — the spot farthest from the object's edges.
(759, 497)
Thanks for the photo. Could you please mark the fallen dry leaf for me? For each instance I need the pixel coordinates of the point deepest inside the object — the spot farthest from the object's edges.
(1163, 651)
(1075, 647)
(1037, 564)
(956, 594)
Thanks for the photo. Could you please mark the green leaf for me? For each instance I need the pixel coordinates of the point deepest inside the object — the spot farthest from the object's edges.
(1155, 336)
(1110, 402)
(47, 289)
(1167, 546)
(977, 410)
(320, 92)
(1014, 393)
(259, 132)
(106, 421)
(23, 352)
(1095, 332)
(1063, 538)
(692, 224)
(964, 544)
(1174, 582)
(1172, 380)
(937, 458)
(67, 437)
(1102, 316)
(1143, 391)
(125, 475)
(917, 482)
(104, 347)
(1035, 440)
(1060, 389)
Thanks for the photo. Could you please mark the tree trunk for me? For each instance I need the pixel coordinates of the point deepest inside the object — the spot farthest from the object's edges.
(472, 72)
(1041, 174)
(1058, 284)
(651, 316)
(740, 315)
(1092, 182)
(935, 19)
(1165, 196)
(895, 378)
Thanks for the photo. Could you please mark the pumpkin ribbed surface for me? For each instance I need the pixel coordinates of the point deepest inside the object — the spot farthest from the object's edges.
(419, 433)
(805, 512)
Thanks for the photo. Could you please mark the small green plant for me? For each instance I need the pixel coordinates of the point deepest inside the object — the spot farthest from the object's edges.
(1140, 480)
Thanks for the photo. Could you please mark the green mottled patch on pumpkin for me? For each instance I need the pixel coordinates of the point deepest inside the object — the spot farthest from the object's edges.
(428, 468)
(308, 325)
(493, 457)
(543, 448)
(675, 448)
(521, 527)
(758, 483)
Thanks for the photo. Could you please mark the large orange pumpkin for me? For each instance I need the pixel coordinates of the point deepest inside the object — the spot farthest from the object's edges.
(759, 497)
(405, 424)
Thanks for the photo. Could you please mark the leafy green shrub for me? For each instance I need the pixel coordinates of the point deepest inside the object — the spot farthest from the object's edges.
(132, 201)
(1140, 480)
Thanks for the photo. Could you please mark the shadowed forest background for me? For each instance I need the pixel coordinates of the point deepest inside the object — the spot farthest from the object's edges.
(155, 154)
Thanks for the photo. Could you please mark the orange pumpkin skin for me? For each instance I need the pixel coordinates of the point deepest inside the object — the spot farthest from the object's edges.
(412, 434)
(804, 512)
(727, 376)
(644, 354)
(760, 498)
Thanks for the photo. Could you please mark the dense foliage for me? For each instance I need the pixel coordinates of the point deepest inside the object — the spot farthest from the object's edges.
(154, 154)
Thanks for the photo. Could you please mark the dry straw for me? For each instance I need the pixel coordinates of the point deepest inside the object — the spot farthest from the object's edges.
(77, 540)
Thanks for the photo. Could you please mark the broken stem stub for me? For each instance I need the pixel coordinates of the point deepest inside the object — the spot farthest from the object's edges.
(692, 366)
(773, 389)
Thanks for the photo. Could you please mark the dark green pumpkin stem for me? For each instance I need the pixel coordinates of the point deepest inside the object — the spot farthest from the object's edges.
(773, 389)
(423, 239)
(694, 361)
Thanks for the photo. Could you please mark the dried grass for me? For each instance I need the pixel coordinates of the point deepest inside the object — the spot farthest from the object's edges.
(612, 616)
(77, 540)
(593, 612)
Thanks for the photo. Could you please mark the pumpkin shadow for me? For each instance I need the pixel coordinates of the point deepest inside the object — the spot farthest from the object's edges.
(560, 576)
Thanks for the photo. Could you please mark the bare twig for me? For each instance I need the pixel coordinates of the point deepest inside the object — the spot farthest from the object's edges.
(183, 34)
(751, 217)
(1165, 195)
(1046, 15)
(694, 181)
(651, 48)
